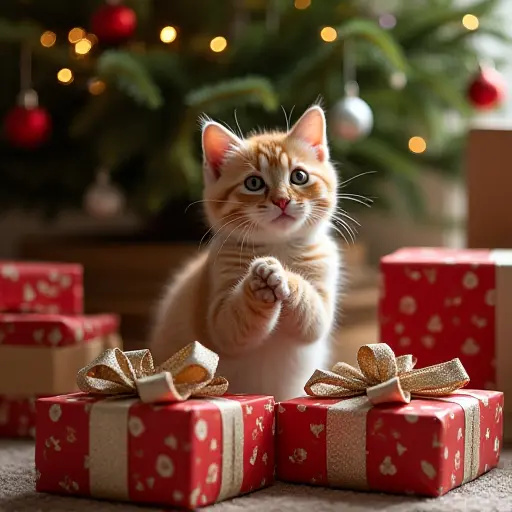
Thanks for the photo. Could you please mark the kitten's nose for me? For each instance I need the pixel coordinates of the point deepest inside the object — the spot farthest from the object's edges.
(282, 203)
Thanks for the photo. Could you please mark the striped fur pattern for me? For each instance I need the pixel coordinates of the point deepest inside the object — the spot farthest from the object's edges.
(263, 294)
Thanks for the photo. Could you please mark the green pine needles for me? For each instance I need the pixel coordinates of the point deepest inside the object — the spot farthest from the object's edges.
(145, 124)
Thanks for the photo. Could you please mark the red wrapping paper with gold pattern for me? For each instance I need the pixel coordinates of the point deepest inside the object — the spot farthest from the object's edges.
(426, 447)
(40, 356)
(441, 303)
(32, 287)
(187, 454)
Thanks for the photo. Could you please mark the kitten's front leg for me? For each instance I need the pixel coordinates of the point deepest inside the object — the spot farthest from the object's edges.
(245, 316)
(307, 313)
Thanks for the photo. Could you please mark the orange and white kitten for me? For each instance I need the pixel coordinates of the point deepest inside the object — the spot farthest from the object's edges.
(263, 296)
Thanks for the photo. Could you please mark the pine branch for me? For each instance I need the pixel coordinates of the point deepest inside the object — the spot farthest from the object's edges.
(327, 56)
(422, 27)
(124, 70)
(236, 92)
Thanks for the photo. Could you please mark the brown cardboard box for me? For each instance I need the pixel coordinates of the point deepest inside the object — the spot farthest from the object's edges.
(489, 188)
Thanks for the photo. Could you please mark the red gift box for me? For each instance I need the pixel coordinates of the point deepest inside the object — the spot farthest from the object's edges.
(446, 303)
(426, 447)
(17, 416)
(40, 355)
(32, 287)
(186, 454)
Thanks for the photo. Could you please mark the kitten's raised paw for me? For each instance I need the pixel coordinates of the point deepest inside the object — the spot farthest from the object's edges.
(268, 280)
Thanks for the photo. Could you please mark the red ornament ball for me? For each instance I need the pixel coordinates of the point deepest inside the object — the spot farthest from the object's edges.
(27, 127)
(114, 24)
(487, 89)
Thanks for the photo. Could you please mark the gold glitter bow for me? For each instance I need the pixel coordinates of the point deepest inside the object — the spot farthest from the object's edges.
(188, 373)
(384, 378)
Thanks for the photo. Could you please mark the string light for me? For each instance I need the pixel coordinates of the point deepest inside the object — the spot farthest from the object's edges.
(328, 34)
(48, 39)
(168, 34)
(83, 47)
(470, 21)
(302, 4)
(417, 145)
(65, 76)
(218, 44)
(92, 38)
(75, 34)
(96, 86)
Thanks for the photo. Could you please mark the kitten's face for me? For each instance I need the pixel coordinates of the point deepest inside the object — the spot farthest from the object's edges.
(269, 187)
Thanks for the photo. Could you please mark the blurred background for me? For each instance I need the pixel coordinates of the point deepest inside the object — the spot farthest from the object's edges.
(100, 154)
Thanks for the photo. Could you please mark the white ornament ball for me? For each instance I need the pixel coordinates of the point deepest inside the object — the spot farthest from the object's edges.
(103, 200)
(352, 118)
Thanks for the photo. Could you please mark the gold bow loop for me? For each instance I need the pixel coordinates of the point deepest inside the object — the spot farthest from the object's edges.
(385, 378)
(188, 373)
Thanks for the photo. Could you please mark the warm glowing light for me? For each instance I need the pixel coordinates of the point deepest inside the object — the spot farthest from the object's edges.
(83, 47)
(65, 76)
(417, 144)
(168, 34)
(96, 86)
(328, 34)
(470, 21)
(75, 34)
(48, 39)
(302, 4)
(92, 38)
(218, 44)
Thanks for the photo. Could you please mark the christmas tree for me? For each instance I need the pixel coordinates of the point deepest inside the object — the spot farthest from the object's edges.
(123, 85)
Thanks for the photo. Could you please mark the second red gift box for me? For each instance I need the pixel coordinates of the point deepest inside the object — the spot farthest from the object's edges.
(360, 430)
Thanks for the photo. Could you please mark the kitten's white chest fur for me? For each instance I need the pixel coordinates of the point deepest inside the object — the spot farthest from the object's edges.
(282, 366)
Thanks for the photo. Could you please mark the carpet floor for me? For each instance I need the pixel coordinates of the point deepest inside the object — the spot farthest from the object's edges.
(490, 493)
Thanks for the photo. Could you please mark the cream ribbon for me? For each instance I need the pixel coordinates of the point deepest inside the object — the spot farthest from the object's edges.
(189, 372)
(385, 378)
(108, 447)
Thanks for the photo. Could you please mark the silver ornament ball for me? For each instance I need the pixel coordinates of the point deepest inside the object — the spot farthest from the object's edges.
(103, 200)
(351, 118)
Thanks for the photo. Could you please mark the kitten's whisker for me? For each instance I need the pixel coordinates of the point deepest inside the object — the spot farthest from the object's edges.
(211, 201)
(341, 233)
(213, 226)
(343, 184)
(348, 229)
(221, 228)
(368, 204)
(238, 125)
(246, 232)
(345, 215)
(243, 223)
(360, 196)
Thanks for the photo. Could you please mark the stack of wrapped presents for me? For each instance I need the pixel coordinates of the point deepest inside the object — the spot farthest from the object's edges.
(45, 338)
(421, 413)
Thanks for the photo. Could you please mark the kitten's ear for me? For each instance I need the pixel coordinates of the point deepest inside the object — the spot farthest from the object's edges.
(312, 129)
(217, 140)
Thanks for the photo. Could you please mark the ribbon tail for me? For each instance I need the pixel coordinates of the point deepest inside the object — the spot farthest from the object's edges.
(388, 392)
(217, 387)
(159, 388)
(329, 384)
(438, 380)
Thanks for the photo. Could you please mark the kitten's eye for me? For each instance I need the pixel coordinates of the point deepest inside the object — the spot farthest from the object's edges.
(254, 183)
(299, 177)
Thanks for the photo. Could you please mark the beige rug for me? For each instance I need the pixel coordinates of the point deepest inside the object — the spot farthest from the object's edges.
(490, 493)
